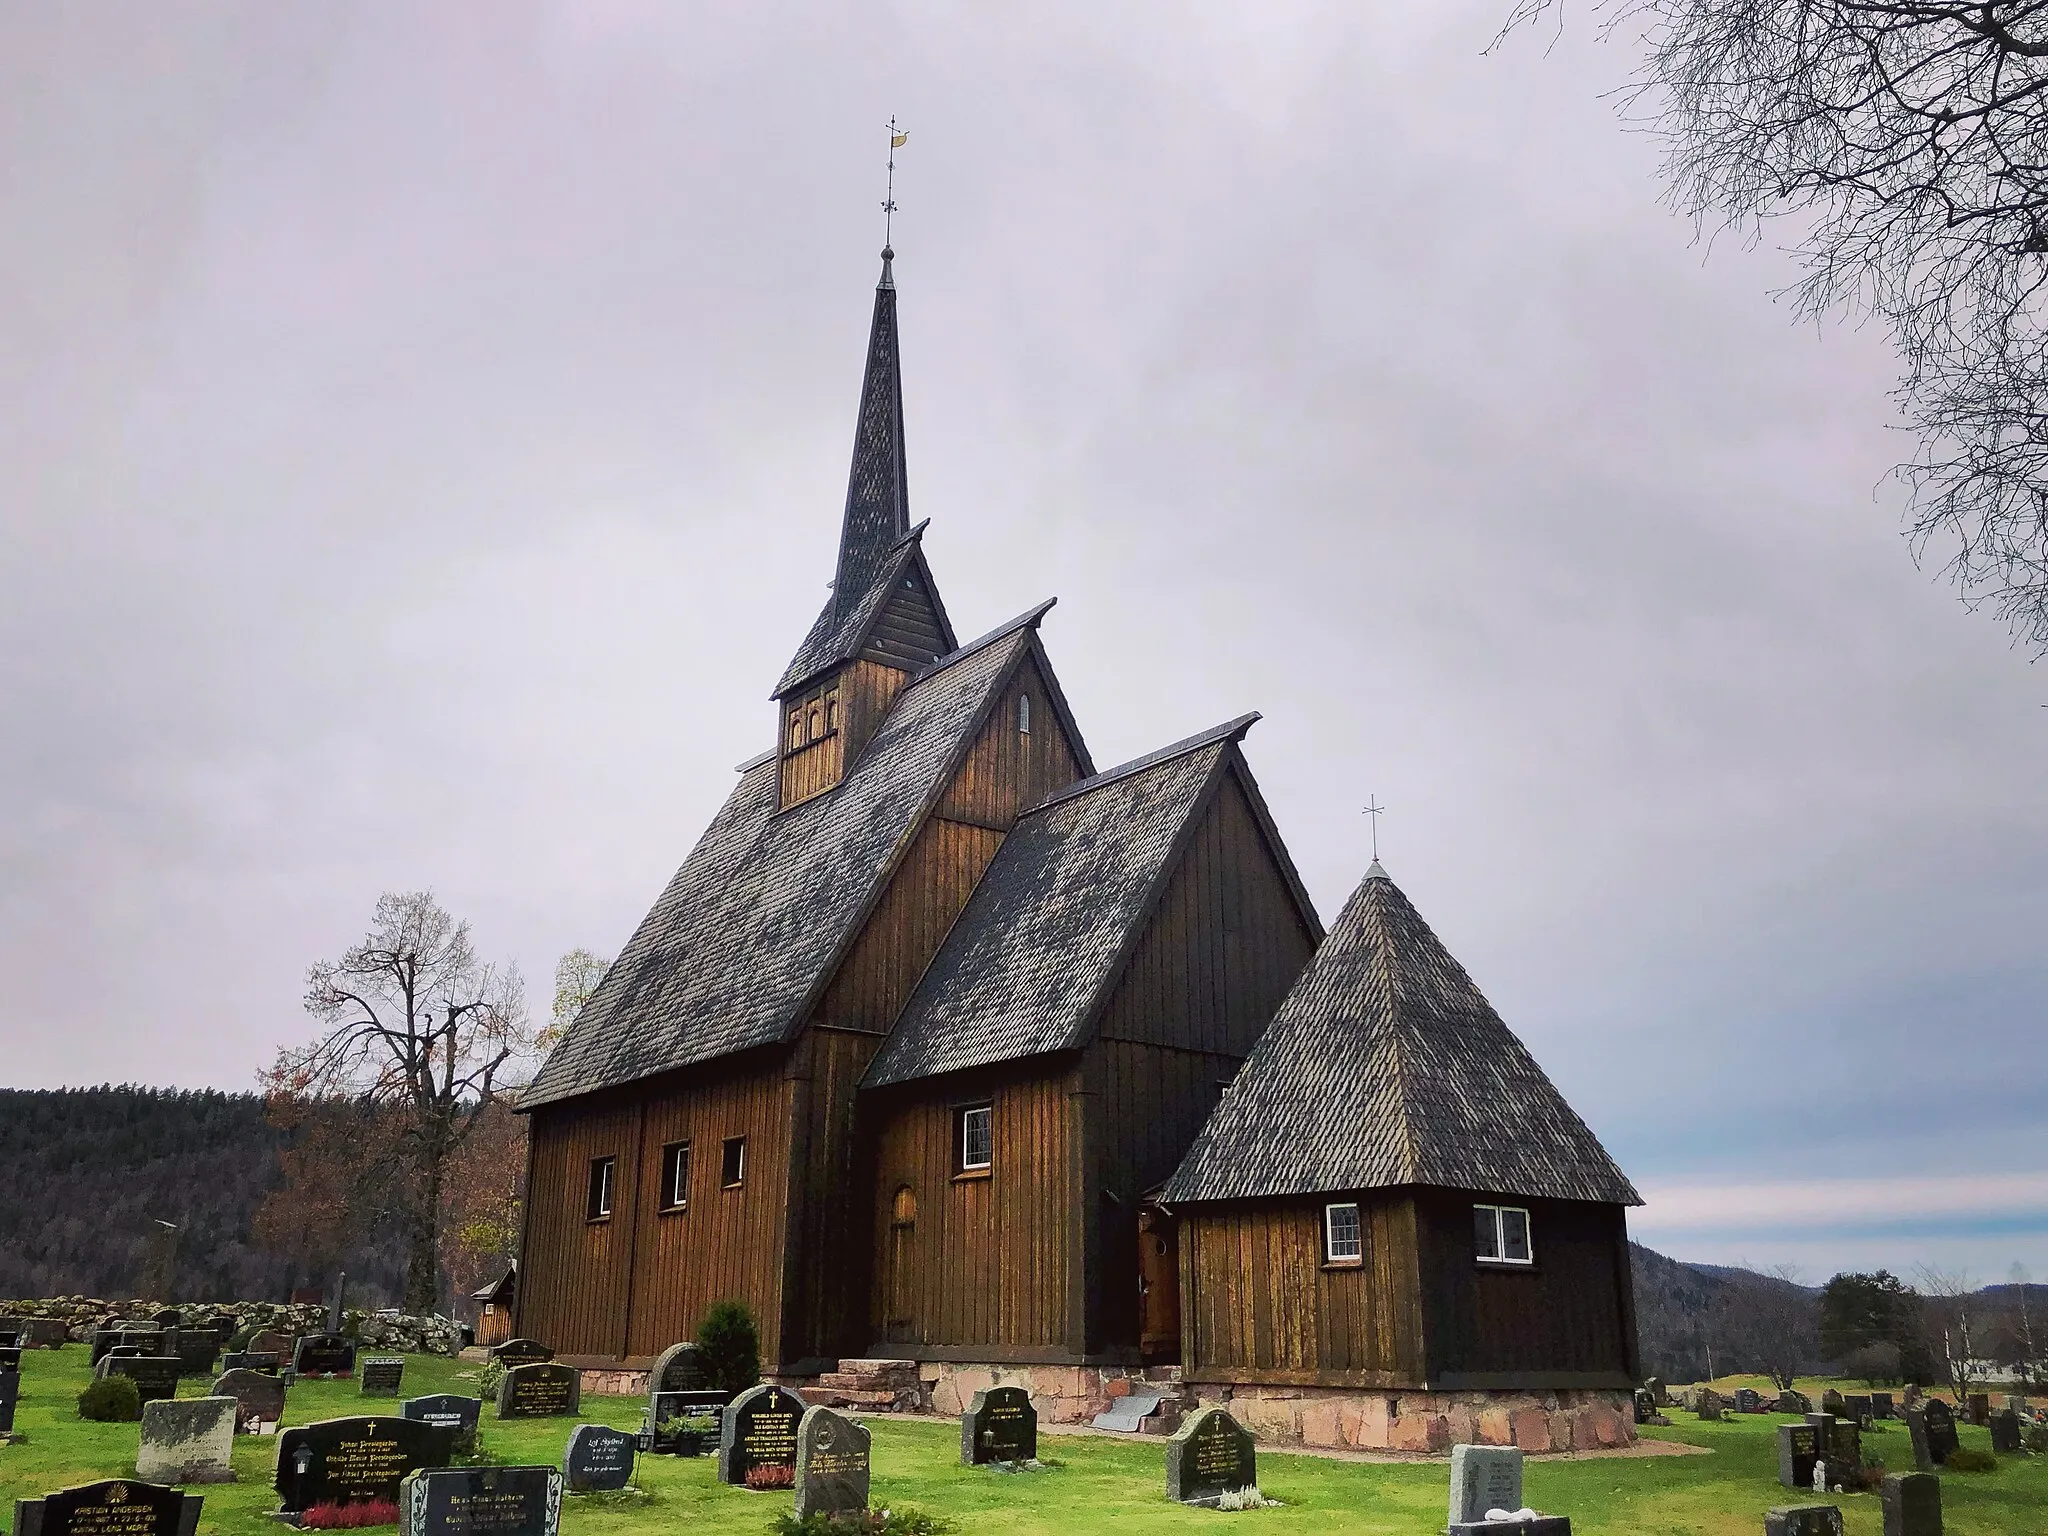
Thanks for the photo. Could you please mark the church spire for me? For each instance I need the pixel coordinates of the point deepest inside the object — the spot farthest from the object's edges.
(877, 489)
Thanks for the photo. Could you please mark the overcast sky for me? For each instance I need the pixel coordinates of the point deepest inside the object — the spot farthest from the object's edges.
(423, 432)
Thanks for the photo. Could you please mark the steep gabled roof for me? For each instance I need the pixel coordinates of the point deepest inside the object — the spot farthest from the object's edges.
(1386, 1066)
(753, 923)
(1033, 954)
(897, 618)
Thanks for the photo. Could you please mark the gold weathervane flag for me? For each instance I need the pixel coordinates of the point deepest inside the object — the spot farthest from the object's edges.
(896, 140)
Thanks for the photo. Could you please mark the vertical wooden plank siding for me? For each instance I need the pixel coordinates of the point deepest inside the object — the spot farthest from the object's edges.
(1007, 771)
(866, 690)
(825, 1268)
(573, 1290)
(1258, 1301)
(987, 1260)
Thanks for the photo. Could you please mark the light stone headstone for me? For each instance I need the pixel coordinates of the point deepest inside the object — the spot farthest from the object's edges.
(187, 1440)
(1484, 1477)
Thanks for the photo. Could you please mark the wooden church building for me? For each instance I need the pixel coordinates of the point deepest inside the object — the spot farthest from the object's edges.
(945, 1047)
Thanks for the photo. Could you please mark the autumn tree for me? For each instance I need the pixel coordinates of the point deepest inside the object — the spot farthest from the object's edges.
(1900, 144)
(1953, 1325)
(422, 1033)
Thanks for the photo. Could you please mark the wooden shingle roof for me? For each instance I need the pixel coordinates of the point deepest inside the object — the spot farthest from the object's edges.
(897, 618)
(751, 926)
(1384, 1066)
(1039, 944)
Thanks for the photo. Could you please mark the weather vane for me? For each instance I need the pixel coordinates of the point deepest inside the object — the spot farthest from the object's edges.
(1373, 808)
(896, 140)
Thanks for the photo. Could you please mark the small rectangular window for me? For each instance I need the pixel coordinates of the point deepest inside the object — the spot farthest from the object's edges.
(675, 1176)
(732, 1170)
(1341, 1239)
(1023, 714)
(598, 1206)
(977, 1137)
(1500, 1235)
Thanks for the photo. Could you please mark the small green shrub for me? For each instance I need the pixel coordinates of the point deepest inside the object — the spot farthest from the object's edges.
(111, 1400)
(1967, 1458)
(487, 1380)
(873, 1522)
(729, 1347)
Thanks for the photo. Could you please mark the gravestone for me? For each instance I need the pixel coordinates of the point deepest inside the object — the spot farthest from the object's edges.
(758, 1429)
(170, 1317)
(249, 1360)
(1655, 1388)
(1831, 1402)
(1978, 1410)
(539, 1391)
(354, 1461)
(10, 1396)
(832, 1464)
(189, 1440)
(1208, 1456)
(1646, 1405)
(259, 1400)
(1798, 1450)
(1484, 1477)
(999, 1425)
(450, 1411)
(380, 1377)
(196, 1348)
(10, 1330)
(118, 1507)
(1844, 1451)
(1933, 1429)
(676, 1369)
(666, 1413)
(598, 1459)
(323, 1355)
(1881, 1405)
(1911, 1503)
(44, 1333)
(1748, 1400)
(2005, 1431)
(1790, 1401)
(1804, 1520)
(10, 1357)
(155, 1376)
(481, 1501)
(521, 1352)
(105, 1340)
(270, 1343)
(1536, 1525)
(224, 1327)
(1708, 1405)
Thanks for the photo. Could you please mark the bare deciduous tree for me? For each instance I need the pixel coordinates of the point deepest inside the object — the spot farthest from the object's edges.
(417, 1025)
(1952, 1305)
(1906, 141)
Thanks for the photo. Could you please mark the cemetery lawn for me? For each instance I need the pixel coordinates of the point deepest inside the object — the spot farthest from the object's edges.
(1102, 1485)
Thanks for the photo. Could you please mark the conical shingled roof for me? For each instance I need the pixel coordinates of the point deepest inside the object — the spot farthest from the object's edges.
(1387, 1066)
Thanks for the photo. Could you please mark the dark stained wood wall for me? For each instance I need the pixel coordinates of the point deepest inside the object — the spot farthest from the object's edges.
(825, 1265)
(1564, 1321)
(864, 691)
(574, 1273)
(1223, 945)
(986, 1267)
(1258, 1304)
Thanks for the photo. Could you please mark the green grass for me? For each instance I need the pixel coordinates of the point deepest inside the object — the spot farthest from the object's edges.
(1103, 1485)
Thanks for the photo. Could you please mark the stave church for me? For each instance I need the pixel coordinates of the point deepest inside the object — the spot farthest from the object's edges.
(961, 1060)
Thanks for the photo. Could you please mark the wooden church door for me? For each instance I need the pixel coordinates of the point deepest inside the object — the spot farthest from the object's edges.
(899, 1281)
(1158, 1288)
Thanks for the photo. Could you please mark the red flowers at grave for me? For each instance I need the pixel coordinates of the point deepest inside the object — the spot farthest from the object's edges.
(347, 1517)
(772, 1475)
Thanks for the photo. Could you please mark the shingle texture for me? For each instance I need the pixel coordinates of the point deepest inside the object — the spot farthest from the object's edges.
(1384, 1066)
(1039, 941)
(746, 930)
(841, 633)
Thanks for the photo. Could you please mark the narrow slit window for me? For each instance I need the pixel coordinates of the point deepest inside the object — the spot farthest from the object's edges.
(977, 1138)
(598, 1204)
(675, 1176)
(796, 729)
(732, 1171)
(1500, 1235)
(1023, 714)
(1341, 1237)
(831, 713)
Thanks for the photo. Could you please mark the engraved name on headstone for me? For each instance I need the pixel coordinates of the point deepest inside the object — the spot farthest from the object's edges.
(999, 1425)
(538, 1391)
(832, 1464)
(187, 1440)
(482, 1501)
(1484, 1477)
(598, 1459)
(1208, 1456)
(354, 1460)
(380, 1376)
(758, 1429)
(450, 1411)
(118, 1507)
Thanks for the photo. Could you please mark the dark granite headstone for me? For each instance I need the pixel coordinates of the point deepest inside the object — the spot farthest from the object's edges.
(1484, 1477)
(1748, 1400)
(999, 1425)
(224, 1327)
(187, 1440)
(1912, 1504)
(666, 1415)
(1804, 1520)
(450, 1411)
(1208, 1456)
(44, 1333)
(380, 1377)
(1856, 1405)
(1798, 1450)
(676, 1369)
(832, 1464)
(148, 1341)
(10, 1357)
(598, 1459)
(1978, 1409)
(119, 1507)
(1542, 1525)
(1844, 1451)
(319, 1355)
(354, 1461)
(170, 1317)
(1933, 1429)
(1646, 1405)
(249, 1360)
(758, 1429)
(259, 1400)
(271, 1343)
(10, 1333)
(521, 1352)
(482, 1501)
(10, 1395)
(1881, 1405)
(196, 1348)
(539, 1391)
(155, 1376)
(2005, 1431)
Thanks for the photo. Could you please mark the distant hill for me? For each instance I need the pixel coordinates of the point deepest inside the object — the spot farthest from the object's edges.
(1695, 1319)
(87, 1173)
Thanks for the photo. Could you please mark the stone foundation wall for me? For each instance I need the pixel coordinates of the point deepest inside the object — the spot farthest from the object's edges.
(1568, 1419)
(1062, 1394)
(615, 1383)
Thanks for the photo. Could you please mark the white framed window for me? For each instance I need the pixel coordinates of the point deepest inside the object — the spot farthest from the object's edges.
(1500, 1235)
(977, 1138)
(1343, 1242)
(1023, 714)
(675, 1176)
(598, 1205)
(732, 1166)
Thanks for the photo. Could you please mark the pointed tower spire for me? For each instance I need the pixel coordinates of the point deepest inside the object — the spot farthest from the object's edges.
(877, 489)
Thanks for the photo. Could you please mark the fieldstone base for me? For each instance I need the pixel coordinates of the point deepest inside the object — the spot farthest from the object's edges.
(1342, 1418)
(1062, 1394)
(614, 1383)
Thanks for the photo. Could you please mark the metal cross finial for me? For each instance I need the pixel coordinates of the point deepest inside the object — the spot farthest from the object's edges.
(896, 138)
(1374, 809)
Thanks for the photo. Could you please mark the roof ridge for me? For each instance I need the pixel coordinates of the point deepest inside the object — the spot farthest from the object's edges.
(1028, 619)
(1230, 730)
